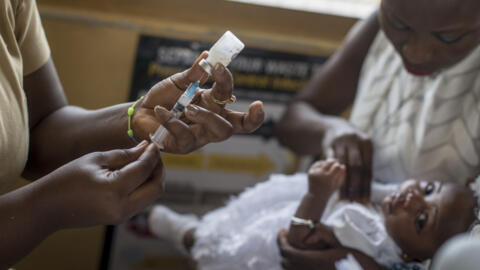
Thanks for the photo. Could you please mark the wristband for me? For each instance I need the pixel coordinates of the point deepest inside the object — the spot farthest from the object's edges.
(130, 112)
(303, 222)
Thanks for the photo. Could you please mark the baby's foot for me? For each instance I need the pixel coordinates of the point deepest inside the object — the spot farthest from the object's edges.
(171, 226)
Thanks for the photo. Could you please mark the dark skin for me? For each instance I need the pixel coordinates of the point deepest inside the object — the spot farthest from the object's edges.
(295, 259)
(324, 178)
(77, 186)
(419, 214)
(313, 114)
(449, 33)
(438, 35)
(49, 112)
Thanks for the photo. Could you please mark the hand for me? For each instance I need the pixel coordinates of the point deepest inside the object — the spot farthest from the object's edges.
(104, 187)
(354, 149)
(322, 237)
(309, 259)
(325, 176)
(205, 121)
(297, 259)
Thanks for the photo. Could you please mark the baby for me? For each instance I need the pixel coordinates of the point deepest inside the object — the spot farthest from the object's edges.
(414, 221)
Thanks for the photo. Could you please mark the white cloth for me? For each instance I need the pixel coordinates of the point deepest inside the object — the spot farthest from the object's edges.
(362, 228)
(459, 253)
(421, 127)
(242, 235)
(349, 263)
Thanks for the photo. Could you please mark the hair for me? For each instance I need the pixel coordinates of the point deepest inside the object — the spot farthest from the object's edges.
(471, 224)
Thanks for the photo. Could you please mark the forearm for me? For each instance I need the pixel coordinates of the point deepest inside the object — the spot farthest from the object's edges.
(302, 128)
(311, 208)
(24, 223)
(330, 92)
(71, 132)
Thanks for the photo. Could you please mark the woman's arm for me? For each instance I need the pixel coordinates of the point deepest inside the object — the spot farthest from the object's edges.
(97, 189)
(60, 133)
(329, 92)
(307, 126)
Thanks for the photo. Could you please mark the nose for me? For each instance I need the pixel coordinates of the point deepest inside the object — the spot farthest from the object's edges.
(417, 51)
(413, 201)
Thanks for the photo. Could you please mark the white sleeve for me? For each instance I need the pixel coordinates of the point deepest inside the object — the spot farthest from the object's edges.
(360, 228)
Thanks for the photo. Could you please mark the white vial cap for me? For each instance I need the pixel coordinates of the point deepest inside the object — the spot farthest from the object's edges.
(223, 51)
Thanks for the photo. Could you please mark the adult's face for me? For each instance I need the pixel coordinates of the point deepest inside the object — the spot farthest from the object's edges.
(431, 35)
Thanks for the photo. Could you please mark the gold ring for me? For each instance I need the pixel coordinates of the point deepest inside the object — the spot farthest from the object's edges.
(223, 102)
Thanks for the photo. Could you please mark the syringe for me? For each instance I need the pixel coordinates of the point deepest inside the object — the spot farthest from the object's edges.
(185, 99)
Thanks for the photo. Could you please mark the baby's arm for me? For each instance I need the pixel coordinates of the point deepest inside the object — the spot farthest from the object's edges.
(324, 177)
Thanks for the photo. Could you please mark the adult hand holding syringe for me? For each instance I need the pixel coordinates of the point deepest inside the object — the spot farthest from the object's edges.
(177, 111)
(222, 52)
(203, 121)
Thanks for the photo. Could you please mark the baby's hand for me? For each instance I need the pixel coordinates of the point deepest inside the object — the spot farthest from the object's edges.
(325, 176)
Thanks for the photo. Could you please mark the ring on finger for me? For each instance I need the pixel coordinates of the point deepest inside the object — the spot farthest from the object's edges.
(223, 102)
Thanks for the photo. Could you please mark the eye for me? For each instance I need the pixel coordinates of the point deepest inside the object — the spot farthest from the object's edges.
(429, 188)
(421, 221)
(398, 25)
(448, 39)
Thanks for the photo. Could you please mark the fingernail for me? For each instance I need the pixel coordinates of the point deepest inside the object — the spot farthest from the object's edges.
(142, 144)
(260, 112)
(162, 113)
(192, 110)
(219, 68)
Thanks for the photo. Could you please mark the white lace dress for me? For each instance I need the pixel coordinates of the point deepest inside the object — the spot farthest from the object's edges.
(242, 235)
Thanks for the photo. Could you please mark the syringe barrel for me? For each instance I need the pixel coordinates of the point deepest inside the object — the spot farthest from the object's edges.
(159, 136)
(161, 133)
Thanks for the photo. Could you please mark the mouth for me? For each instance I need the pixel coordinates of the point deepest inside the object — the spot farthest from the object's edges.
(418, 71)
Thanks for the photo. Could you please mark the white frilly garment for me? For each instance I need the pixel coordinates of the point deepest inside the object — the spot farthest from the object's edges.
(243, 234)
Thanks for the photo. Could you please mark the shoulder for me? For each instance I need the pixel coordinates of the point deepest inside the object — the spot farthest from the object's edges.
(358, 41)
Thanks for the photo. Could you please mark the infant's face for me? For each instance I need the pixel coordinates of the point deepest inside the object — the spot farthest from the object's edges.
(421, 215)
(431, 35)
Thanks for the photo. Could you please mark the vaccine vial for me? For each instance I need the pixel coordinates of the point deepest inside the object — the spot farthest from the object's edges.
(223, 51)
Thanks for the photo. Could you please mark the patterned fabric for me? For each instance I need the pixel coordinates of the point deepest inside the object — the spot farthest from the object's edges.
(421, 127)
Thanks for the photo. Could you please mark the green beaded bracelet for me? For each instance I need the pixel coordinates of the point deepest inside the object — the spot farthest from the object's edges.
(130, 112)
